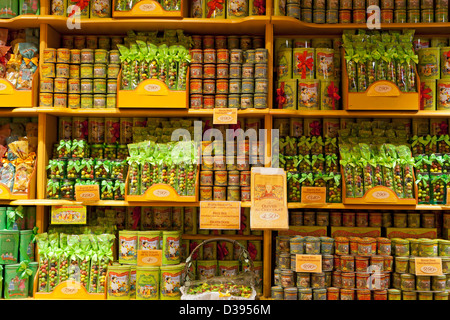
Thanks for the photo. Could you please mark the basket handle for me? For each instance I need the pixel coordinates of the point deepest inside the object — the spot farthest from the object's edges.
(244, 256)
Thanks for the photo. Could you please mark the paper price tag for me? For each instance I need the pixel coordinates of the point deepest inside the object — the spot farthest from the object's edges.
(314, 195)
(308, 263)
(87, 193)
(221, 215)
(149, 258)
(68, 215)
(225, 116)
(428, 266)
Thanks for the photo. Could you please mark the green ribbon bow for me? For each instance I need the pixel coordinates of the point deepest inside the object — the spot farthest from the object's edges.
(308, 176)
(304, 140)
(334, 176)
(297, 160)
(293, 176)
(422, 177)
(332, 141)
(107, 185)
(415, 140)
(425, 140)
(438, 177)
(23, 269)
(13, 215)
(317, 157)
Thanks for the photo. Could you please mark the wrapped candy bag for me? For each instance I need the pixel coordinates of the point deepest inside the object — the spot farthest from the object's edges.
(85, 259)
(153, 68)
(331, 163)
(316, 145)
(406, 160)
(437, 188)
(163, 52)
(417, 146)
(54, 254)
(63, 264)
(24, 165)
(294, 186)
(351, 64)
(134, 170)
(13, 68)
(303, 145)
(172, 67)
(73, 250)
(423, 188)
(105, 256)
(184, 59)
(119, 190)
(94, 265)
(334, 189)
(7, 172)
(107, 190)
(43, 247)
(125, 58)
(143, 60)
(28, 66)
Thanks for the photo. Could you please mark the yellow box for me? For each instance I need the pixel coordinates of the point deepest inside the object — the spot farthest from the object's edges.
(10, 97)
(150, 9)
(7, 194)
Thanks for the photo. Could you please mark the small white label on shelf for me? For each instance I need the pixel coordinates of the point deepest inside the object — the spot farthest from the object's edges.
(382, 88)
(152, 88)
(69, 290)
(161, 193)
(147, 7)
(381, 195)
(2, 86)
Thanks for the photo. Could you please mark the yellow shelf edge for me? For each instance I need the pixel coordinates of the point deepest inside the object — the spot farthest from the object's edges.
(107, 203)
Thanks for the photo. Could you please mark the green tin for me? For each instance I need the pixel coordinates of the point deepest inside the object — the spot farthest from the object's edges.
(9, 246)
(303, 61)
(26, 245)
(284, 64)
(86, 101)
(171, 247)
(147, 282)
(308, 94)
(14, 286)
(429, 63)
(171, 282)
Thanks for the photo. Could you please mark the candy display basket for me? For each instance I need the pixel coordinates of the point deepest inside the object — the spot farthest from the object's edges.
(152, 93)
(151, 9)
(197, 289)
(381, 95)
(7, 194)
(11, 97)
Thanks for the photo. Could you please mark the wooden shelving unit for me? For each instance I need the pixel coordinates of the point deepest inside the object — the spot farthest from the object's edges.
(52, 28)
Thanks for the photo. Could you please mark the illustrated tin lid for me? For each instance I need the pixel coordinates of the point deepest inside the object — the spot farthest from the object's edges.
(407, 276)
(304, 290)
(277, 288)
(119, 268)
(11, 266)
(128, 232)
(177, 267)
(147, 268)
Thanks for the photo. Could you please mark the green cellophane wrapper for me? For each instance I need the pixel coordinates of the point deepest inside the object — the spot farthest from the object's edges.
(67, 191)
(184, 59)
(107, 190)
(438, 184)
(330, 146)
(14, 218)
(319, 179)
(119, 169)
(97, 151)
(348, 168)
(105, 256)
(191, 170)
(303, 145)
(183, 155)
(87, 169)
(399, 186)
(307, 179)
(334, 187)
(367, 166)
(144, 60)
(360, 59)
(102, 169)
(43, 247)
(64, 149)
(134, 169)
(79, 149)
(162, 57)
(351, 66)
(430, 144)
(289, 163)
(317, 163)
(153, 68)
(371, 63)
(422, 163)
(443, 142)
(417, 146)
(147, 166)
(331, 163)
(423, 188)
(436, 163)
(57, 168)
(446, 163)
(381, 62)
(135, 65)
(73, 169)
(125, 58)
(74, 252)
(304, 163)
(85, 259)
(124, 5)
(172, 67)
(317, 144)
(401, 70)
(391, 53)
(53, 189)
(94, 264)
(54, 254)
(288, 145)
(411, 60)
(119, 190)
(407, 161)
(293, 185)
(63, 270)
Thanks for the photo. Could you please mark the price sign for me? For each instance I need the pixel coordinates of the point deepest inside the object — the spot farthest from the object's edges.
(308, 263)
(428, 266)
(314, 195)
(221, 215)
(87, 193)
(149, 258)
(68, 214)
(225, 116)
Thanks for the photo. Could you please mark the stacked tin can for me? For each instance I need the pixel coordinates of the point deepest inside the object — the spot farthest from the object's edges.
(347, 11)
(225, 174)
(409, 286)
(434, 71)
(308, 73)
(228, 72)
(230, 9)
(81, 74)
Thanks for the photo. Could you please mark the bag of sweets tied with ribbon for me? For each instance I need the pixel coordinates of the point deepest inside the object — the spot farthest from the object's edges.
(417, 146)
(330, 146)
(288, 146)
(43, 250)
(24, 165)
(307, 179)
(134, 170)
(407, 162)
(443, 142)
(74, 251)
(436, 163)
(438, 188)
(317, 163)
(105, 257)
(348, 167)
(294, 186)
(85, 259)
(94, 264)
(304, 145)
(63, 270)
(429, 143)
(334, 188)
(331, 163)
(423, 188)
(422, 163)
(54, 256)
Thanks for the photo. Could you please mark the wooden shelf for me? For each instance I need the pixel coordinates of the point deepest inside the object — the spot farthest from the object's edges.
(254, 25)
(20, 22)
(341, 206)
(280, 113)
(107, 203)
(210, 236)
(291, 26)
(116, 112)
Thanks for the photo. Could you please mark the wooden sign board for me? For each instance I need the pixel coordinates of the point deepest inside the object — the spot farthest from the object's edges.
(75, 214)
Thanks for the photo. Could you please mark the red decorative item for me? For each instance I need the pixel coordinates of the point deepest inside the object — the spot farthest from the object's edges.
(136, 217)
(424, 95)
(315, 128)
(222, 250)
(213, 5)
(333, 93)
(81, 4)
(261, 5)
(252, 250)
(443, 126)
(85, 129)
(116, 131)
(281, 96)
(304, 63)
(192, 246)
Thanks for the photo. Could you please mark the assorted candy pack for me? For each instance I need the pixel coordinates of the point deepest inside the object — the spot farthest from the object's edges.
(14, 8)
(372, 56)
(19, 56)
(82, 9)
(227, 9)
(127, 5)
(145, 55)
(228, 72)
(308, 73)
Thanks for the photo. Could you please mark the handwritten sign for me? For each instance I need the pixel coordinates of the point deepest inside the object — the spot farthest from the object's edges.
(149, 258)
(308, 263)
(314, 195)
(87, 193)
(221, 215)
(428, 266)
(75, 214)
(225, 116)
